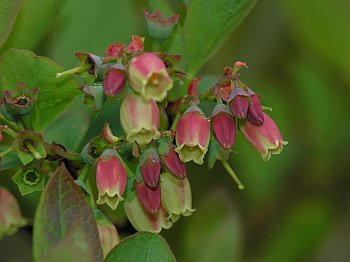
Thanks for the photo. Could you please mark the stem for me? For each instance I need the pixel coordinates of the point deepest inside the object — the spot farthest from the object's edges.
(6, 152)
(75, 70)
(176, 120)
(265, 108)
(9, 123)
(83, 173)
(229, 170)
(157, 46)
(27, 123)
(9, 131)
(92, 198)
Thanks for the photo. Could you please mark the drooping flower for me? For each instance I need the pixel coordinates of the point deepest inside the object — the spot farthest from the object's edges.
(114, 81)
(266, 138)
(224, 126)
(171, 159)
(176, 196)
(192, 135)
(107, 232)
(255, 113)
(111, 177)
(149, 77)
(141, 219)
(150, 198)
(10, 214)
(239, 102)
(150, 167)
(139, 119)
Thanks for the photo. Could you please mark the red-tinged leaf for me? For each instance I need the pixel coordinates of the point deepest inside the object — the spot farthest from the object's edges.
(62, 207)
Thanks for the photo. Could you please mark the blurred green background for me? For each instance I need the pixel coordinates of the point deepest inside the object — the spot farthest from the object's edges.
(296, 207)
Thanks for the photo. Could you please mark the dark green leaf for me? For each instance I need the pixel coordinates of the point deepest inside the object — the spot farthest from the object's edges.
(143, 247)
(62, 207)
(74, 122)
(9, 10)
(207, 26)
(37, 71)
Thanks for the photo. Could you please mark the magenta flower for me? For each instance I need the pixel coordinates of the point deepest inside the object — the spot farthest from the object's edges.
(139, 119)
(238, 103)
(111, 177)
(149, 77)
(192, 135)
(150, 198)
(171, 160)
(114, 81)
(224, 125)
(150, 167)
(255, 113)
(266, 138)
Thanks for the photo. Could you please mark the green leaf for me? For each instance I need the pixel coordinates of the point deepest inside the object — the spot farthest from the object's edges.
(9, 10)
(143, 246)
(34, 20)
(207, 26)
(61, 208)
(75, 123)
(215, 231)
(37, 71)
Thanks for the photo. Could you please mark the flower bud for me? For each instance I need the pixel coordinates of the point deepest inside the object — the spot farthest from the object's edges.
(176, 196)
(111, 177)
(114, 81)
(21, 99)
(171, 160)
(150, 198)
(148, 76)
(115, 50)
(139, 119)
(192, 135)
(10, 214)
(107, 232)
(159, 26)
(266, 138)
(143, 220)
(255, 113)
(238, 103)
(150, 167)
(224, 126)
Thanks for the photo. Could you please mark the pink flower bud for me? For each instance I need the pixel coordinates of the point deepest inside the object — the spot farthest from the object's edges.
(159, 26)
(240, 64)
(192, 135)
(111, 177)
(238, 103)
(136, 44)
(150, 167)
(176, 196)
(150, 198)
(143, 220)
(139, 119)
(10, 214)
(114, 81)
(148, 76)
(107, 232)
(224, 126)
(171, 160)
(255, 113)
(115, 50)
(266, 138)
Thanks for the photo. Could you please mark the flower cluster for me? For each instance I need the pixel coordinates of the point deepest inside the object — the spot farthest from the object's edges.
(164, 127)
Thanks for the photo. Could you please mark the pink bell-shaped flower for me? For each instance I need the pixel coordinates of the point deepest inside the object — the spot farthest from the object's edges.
(266, 138)
(111, 177)
(224, 125)
(171, 159)
(149, 77)
(150, 198)
(139, 119)
(150, 167)
(192, 135)
(114, 81)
